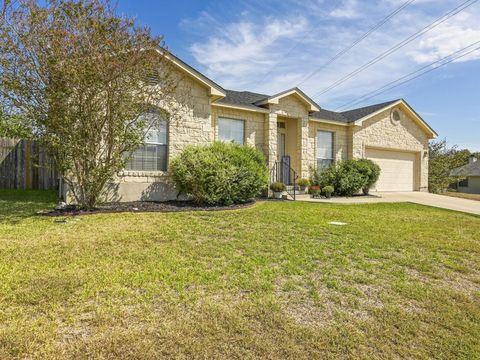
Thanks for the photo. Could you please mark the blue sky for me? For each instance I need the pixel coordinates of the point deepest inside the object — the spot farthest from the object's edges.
(268, 46)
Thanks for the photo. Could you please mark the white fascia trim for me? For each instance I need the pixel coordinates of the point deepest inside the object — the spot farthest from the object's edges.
(237, 107)
(275, 99)
(213, 90)
(329, 122)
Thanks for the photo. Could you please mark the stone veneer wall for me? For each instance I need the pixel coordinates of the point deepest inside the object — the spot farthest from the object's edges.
(381, 132)
(191, 125)
(254, 125)
(291, 107)
(340, 141)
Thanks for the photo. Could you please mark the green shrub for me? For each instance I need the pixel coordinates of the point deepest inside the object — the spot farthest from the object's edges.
(303, 182)
(220, 174)
(328, 189)
(369, 169)
(345, 176)
(277, 187)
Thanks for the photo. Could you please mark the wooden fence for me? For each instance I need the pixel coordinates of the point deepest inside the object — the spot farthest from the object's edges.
(24, 165)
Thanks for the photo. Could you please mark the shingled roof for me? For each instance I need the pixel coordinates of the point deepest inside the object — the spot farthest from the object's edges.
(248, 99)
(471, 169)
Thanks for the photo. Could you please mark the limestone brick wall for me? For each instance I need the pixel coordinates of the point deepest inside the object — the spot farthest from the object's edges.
(292, 107)
(190, 123)
(381, 132)
(340, 141)
(254, 125)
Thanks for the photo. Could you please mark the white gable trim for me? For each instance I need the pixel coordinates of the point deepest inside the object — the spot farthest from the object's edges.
(215, 90)
(274, 99)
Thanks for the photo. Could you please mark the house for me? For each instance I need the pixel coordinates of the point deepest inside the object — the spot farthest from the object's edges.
(287, 126)
(471, 176)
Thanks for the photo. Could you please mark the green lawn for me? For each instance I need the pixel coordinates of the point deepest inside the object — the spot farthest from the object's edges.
(272, 281)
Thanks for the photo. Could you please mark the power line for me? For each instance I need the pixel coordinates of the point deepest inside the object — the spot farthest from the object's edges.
(420, 72)
(285, 56)
(356, 42)
(403, 43)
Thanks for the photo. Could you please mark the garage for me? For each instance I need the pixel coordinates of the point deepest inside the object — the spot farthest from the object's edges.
(398, 169)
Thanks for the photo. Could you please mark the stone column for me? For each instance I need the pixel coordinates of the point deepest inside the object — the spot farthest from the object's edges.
(302, 146)
(271, 139)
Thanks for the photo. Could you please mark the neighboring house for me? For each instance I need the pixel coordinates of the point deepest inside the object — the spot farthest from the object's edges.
(289, 126)
(470, 175)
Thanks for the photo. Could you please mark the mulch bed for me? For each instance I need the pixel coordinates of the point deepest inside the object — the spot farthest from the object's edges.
(140, 206)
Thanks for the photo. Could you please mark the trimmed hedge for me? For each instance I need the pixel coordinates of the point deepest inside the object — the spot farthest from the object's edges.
(220, 174)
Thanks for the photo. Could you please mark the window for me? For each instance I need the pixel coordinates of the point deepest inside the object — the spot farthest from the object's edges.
(463, 183)
(230, 130)
(324, 148)
(152, 155)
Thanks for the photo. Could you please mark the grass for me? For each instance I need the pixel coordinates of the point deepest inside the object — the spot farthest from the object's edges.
(272, 281)
(463, 195)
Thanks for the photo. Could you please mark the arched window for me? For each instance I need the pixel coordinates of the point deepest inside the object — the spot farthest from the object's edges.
(152, 155)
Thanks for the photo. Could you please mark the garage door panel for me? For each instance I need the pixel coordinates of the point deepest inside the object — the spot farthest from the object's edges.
(397, 169)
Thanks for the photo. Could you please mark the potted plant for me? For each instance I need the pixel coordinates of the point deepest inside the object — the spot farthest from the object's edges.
(314, 191)
(303, 183)
(278, 188)
(328, 190)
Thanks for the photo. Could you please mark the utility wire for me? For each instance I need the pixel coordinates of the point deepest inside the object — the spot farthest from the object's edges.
(416, 74)
(285, 56)
(400, 45)
(356, 42)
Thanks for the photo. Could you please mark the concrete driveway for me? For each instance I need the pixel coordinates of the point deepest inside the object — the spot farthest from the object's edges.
(439, 201)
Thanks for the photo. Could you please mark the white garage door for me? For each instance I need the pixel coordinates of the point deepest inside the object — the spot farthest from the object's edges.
(398, 169)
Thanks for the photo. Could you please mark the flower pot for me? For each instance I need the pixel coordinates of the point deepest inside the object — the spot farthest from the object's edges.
(277, 195)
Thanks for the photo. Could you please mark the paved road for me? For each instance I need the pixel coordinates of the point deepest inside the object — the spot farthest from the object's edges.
(440, 201)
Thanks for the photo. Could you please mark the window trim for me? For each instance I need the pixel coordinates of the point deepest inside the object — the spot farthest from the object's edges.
(232, 119)
(333, 135)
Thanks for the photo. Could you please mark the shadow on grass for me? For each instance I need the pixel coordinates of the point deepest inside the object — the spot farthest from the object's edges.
(16, 205)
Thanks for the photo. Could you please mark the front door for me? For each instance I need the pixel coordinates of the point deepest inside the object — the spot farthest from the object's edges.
(282, 157)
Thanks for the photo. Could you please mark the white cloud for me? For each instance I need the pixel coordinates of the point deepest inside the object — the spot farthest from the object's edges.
(447, 39)
(350, 9)
(245, 47)
(260, 52)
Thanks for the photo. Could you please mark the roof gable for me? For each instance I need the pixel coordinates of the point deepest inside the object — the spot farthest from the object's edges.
(215, 90)
(274, 99)
(404, 106)
(471, 169)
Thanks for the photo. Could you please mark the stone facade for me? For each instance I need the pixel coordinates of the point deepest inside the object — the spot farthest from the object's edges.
(196, 123)
(340, 141)
(254, 125)
(381, 132)
(191, 125)
(293, 108)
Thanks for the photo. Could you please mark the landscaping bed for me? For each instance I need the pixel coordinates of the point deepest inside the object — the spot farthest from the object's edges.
(140, 206)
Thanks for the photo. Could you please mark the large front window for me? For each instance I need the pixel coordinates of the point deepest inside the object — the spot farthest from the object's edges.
(324, 149)
(231, 130)
(152, 155)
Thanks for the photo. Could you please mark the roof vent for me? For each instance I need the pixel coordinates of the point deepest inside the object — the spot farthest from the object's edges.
(395, 117)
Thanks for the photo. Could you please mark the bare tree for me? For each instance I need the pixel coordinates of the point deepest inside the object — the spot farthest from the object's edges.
(82, 76)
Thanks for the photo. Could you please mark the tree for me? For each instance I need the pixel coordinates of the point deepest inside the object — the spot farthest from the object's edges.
(83, 77)
(13, 126)
(442, 159)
